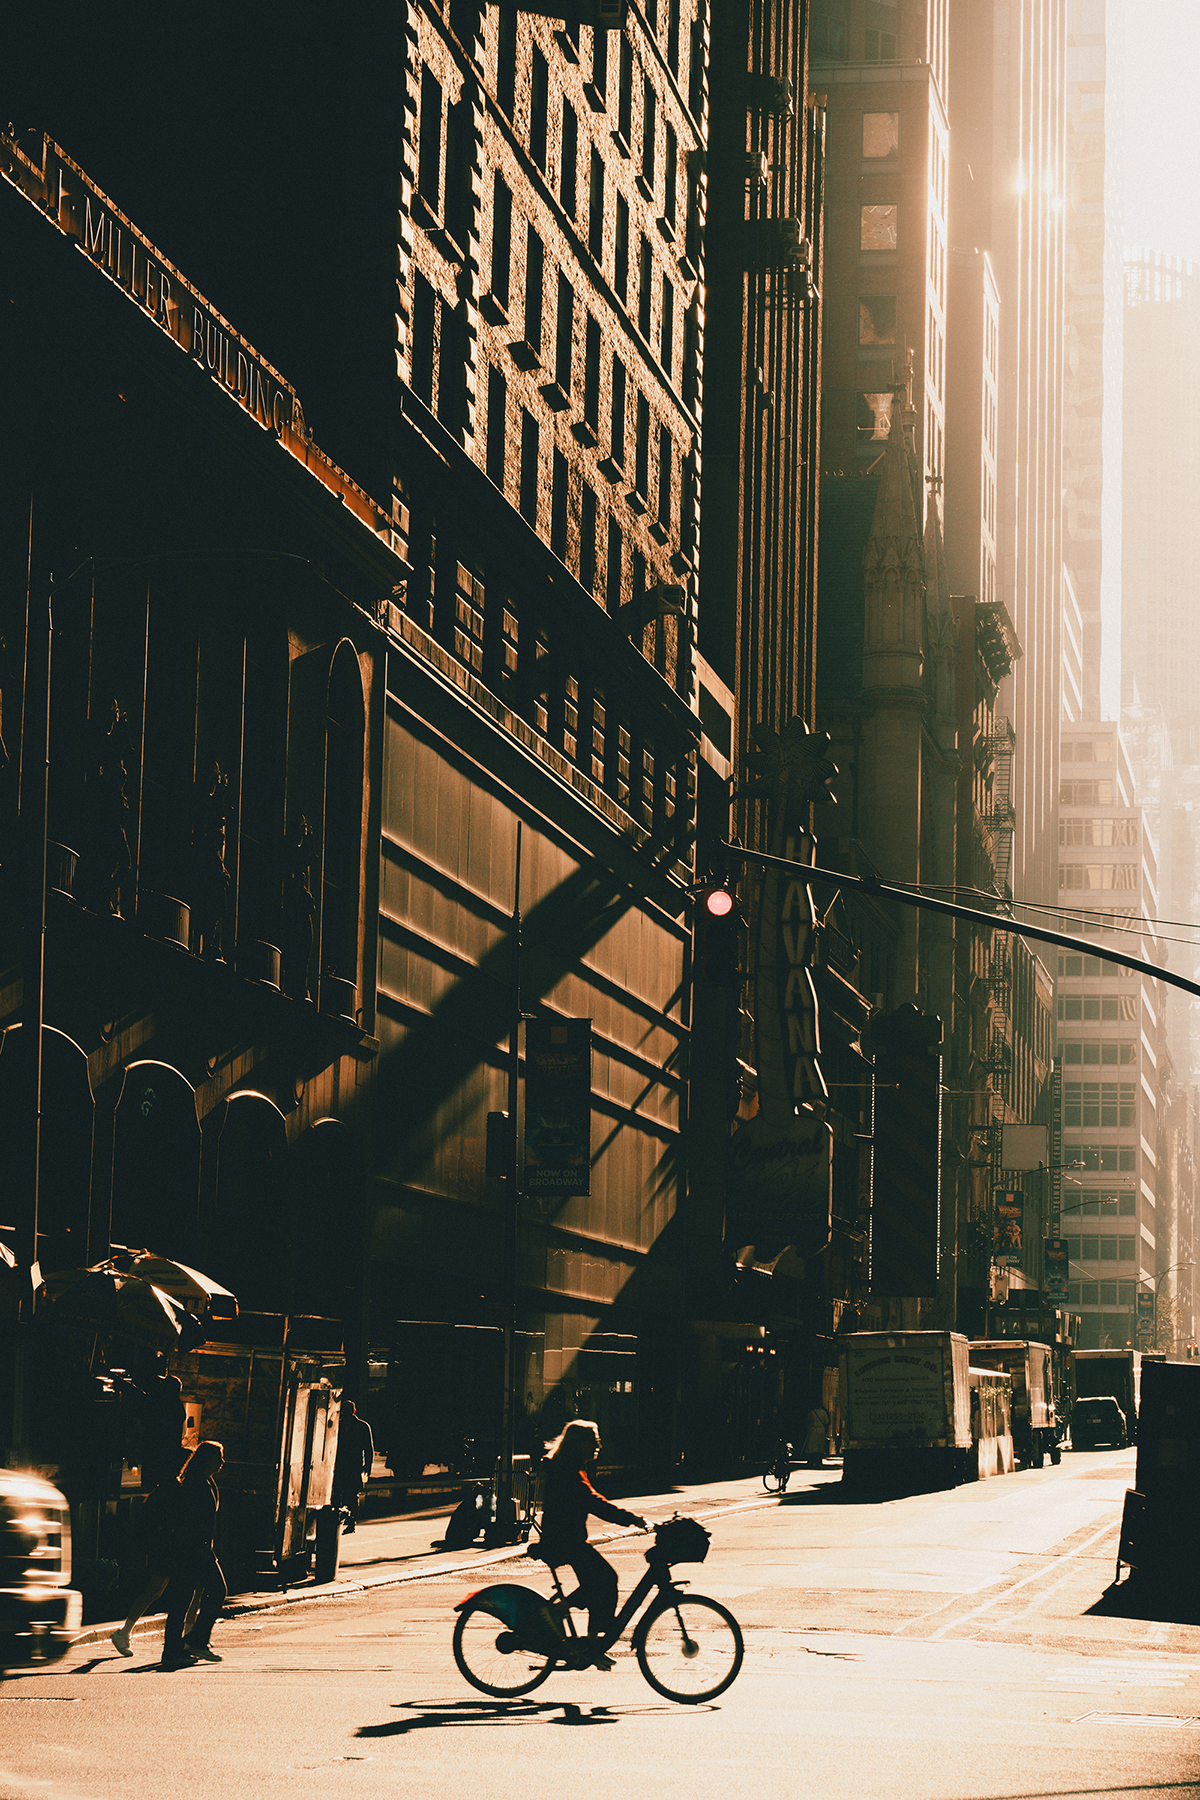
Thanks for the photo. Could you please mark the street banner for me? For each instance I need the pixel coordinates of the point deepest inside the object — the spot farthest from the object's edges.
(1009, 1217)
(1056, 1268)
(558, 1106)
(1145, 1314)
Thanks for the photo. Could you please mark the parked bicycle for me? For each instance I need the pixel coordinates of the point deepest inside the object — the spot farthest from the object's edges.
(508, 1639)
(779, 1472)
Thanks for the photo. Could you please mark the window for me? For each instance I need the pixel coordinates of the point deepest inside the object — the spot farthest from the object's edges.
(345, 725)
(1092, 1051)
(621, 251)
(460, 153)
(424, 319)
(1127, 1249)
(644, 287)
(563, 337)
(874, 416)
(570, 716)
(598, 722)
(877, 319)
(880, 135)
(696, 69)
(534, 276)
(506, 60)
(827, 38)
(558, 506)
(501, 239)
(878, 227)
(624, 750)
(497, 409)
(570, 159)
(1098, 832)
(614, 569)
(649, 133)
(1086, 793)
(670, 176)
(529, 467)
(452, 370)
(880, 46)
(509, 640)
(616, 443)
(641, 476)
(591, 375)
(587, 538)
(668, 325)
(596, 208)
(665, 461)
(625, 92)
(1098, 877)
(691, 355)
(673, 36)
(600, 64)
(429, 158)
(696, 198)
(468, 620)
(539, 100)
(1087, 750)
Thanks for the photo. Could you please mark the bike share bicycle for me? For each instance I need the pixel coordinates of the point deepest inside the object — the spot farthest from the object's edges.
(508, 1639)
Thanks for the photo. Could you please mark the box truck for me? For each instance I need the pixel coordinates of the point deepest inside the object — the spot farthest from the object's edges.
(906, 1407)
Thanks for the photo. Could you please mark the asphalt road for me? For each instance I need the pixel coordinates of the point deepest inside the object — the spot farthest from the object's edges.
(933, 1647)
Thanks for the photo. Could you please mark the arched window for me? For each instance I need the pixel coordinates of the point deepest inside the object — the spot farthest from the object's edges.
(156, 1162)
(342, 833)
(248, 1240)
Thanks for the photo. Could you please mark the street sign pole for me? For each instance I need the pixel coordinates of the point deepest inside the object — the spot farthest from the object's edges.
(504, 1524)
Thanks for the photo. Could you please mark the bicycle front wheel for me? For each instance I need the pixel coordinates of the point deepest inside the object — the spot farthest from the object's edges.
(690, 1649)
(488, 1653)
(773, 1481)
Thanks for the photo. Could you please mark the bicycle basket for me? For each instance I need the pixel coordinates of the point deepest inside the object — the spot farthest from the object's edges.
(682, 1540)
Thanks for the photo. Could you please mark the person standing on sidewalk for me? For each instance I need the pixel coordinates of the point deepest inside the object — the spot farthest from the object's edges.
(352, 1468)
(193, 1563)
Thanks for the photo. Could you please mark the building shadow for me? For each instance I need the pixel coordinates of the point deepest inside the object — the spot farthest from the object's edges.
(1138, 1597)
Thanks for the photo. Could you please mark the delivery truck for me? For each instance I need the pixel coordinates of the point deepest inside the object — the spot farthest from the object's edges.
(1035, 1427)
(906, 1408)
(1116, 1373)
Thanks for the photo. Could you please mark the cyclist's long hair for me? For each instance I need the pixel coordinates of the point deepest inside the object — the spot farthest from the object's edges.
(570, 1435)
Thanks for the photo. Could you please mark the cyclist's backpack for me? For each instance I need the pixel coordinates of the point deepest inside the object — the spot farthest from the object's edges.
(682, 1540)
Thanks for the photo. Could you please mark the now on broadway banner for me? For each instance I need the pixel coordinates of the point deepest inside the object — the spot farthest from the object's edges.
(558, 1106)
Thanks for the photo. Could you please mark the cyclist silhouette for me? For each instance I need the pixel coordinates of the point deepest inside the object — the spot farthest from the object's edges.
(568, 1500)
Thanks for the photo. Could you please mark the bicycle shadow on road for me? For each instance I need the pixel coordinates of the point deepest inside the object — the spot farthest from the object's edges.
(461, 1713)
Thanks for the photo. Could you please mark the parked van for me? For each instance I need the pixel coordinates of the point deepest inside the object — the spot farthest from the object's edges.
(40, 1611)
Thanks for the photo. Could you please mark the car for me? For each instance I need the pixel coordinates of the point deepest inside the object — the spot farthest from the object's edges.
(1098, 1420)
(40, 1611)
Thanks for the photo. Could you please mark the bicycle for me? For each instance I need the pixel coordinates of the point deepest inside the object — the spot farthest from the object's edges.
(689, 1648)
(778, 1473)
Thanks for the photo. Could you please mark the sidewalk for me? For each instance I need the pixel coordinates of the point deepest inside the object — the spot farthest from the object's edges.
(385, 1552)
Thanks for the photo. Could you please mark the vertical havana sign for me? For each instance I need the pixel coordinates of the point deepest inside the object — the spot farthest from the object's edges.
(780, 1168)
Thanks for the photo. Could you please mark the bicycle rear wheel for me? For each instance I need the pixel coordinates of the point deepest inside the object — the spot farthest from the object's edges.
(773, 1481)
(690, 1649)
(488, 1653)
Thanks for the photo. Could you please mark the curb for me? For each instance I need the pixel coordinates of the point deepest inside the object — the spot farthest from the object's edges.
(152, 1624)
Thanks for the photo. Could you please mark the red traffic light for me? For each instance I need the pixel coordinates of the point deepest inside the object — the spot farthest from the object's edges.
(718, 902)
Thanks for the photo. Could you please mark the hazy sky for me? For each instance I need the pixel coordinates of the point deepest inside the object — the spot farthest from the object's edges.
(1162, 126)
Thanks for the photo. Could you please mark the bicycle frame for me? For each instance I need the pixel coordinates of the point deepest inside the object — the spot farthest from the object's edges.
(658, 1575)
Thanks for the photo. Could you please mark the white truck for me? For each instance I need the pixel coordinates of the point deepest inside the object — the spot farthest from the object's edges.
(906, 1408)
(1035, 1428)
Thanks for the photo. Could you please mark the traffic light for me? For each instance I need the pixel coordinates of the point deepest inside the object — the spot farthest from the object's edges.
(719, 927)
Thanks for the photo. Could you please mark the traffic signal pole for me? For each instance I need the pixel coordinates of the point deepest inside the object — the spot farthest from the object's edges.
(882, 890)
(502, 1530)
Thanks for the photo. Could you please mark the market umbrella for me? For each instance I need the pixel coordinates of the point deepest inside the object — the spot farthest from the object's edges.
(197, 1293)
(125, 1305)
